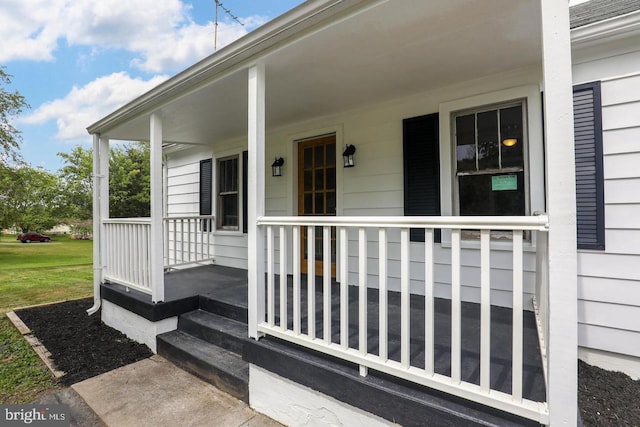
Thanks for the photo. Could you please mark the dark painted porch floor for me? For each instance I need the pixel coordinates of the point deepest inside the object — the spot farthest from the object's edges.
(230, 285)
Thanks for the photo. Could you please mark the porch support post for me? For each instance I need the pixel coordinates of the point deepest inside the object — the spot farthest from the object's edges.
(156, 251)
(256, 141)
(100, 212)
(561, 208)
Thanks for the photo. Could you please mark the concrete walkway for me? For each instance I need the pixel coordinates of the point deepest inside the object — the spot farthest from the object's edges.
(154, 392)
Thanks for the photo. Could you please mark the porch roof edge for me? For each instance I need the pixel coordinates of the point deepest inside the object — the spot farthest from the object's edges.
(242, 50)
(627, 25)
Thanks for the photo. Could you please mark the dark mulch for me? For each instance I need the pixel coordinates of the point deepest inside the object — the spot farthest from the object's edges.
(607, 398)
(83, 347)
(80, 345)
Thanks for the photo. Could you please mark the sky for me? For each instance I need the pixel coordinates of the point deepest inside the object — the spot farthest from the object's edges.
(76, 61)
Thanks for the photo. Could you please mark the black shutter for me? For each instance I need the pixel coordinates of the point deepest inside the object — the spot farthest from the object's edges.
(245, 191)
(205, 191)
(587, 125)
(421, 170)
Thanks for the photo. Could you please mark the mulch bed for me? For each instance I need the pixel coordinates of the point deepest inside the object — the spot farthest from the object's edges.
(83, 347)
(80, 345)
(607, 398)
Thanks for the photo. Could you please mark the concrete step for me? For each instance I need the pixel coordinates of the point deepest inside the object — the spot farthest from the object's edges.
(220, 367)
(215, 329)
(224, 308)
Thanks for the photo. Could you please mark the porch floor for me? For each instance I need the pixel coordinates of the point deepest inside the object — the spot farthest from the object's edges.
(229, 285)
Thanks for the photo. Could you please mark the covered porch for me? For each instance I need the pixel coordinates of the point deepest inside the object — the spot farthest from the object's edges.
(357, 70)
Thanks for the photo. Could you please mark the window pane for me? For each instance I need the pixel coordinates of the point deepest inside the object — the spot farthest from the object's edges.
(319, 205)
(511, 127)
(228, 175)
(331, 202)
(466, 142)
(308, 157)
(331, 154)
(331, 179)
(229, 214)
(308, 203)
(319, 184)
(308, 180)
(488, 140)
(319, 155)
(480, 195)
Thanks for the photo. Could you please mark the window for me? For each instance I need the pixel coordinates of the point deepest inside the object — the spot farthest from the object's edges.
(587, 125)
(489, 160)
(228, 193)
(205, 192)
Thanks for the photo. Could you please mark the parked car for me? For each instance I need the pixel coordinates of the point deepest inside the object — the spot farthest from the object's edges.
(33, 237)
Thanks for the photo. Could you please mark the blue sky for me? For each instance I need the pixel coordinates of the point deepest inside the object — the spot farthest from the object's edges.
(77, 60)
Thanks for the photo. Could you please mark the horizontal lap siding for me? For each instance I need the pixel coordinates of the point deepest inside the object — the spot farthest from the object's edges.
(183, 184)
(609, 280)
(183, 198)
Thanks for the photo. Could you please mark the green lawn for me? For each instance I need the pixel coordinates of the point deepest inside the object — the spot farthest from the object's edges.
(35, 273)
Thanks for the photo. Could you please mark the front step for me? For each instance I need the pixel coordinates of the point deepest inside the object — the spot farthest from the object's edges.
(212, 343)
(223, 368)
(215, 329)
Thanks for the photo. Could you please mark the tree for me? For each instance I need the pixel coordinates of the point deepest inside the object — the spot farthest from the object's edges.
(31, 199)
(77, 183)
(129, 181)
(11, 105)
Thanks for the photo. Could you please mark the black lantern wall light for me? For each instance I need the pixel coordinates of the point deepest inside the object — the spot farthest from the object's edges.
(276, 167)
(347, 156)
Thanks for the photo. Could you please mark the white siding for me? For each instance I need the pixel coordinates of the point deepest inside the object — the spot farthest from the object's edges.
(609, 280)
(183, 198)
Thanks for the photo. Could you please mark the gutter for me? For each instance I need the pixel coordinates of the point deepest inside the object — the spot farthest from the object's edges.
(251, 45)
(615, 28)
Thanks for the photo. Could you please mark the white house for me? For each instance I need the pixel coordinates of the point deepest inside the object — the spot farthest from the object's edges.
(464, 253)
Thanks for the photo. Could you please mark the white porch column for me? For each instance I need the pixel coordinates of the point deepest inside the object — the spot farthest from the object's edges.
(156, 251)
(561, 207)
(256, 129)
(100, 212)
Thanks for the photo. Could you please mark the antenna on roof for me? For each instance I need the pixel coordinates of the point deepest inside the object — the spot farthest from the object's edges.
(231, 15)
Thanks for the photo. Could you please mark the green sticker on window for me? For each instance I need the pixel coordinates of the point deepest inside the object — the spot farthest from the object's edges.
(504, 182)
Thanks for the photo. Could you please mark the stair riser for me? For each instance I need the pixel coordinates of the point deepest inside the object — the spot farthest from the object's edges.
(223, 309)
(220, 379)
(213, 336)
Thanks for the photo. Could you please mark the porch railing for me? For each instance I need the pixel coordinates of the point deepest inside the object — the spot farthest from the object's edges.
(126, 258)
(126, 255)
(187, 240)
(352, 237)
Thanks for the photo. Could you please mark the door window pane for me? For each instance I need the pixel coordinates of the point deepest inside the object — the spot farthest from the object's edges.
(318, 156)
(319, 179)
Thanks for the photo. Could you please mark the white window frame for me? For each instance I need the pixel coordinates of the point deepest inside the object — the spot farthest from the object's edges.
(525, 150)
(238, 192)
(533, 151)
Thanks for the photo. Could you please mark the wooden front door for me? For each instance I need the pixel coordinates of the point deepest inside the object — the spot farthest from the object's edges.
(317, 193)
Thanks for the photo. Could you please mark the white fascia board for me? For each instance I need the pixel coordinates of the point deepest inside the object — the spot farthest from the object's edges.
(619, 27)
(236, 54)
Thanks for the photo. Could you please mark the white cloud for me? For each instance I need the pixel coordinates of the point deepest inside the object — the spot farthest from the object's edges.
(160, 32)
(87, 104)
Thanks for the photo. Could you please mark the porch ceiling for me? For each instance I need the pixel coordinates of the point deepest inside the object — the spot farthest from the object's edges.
(368, 53)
